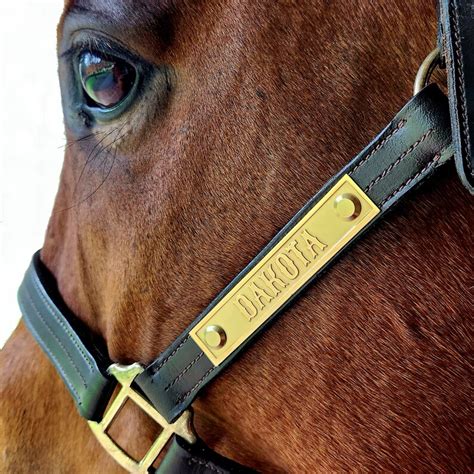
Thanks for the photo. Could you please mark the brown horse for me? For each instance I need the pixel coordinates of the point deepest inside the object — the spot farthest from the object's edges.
(244, 109)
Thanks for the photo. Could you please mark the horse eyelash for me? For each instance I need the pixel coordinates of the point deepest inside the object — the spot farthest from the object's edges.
(99, 45)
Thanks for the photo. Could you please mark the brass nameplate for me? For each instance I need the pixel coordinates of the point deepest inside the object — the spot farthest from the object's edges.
(315, 239)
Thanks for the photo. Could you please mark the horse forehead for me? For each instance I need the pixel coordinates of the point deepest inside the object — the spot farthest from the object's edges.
(120, 10)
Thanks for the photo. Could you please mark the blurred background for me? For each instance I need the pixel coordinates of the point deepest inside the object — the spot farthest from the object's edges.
(31, 140)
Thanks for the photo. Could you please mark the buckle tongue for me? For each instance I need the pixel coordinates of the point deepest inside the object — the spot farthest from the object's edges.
(183, 426)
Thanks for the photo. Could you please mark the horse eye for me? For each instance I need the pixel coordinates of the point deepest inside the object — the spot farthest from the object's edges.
(106, 80)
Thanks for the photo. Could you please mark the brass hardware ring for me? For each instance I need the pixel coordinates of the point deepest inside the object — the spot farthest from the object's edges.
(426, 69)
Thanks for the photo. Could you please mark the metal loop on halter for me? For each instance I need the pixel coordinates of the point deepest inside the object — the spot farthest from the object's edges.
(426, 69)
(183, 426)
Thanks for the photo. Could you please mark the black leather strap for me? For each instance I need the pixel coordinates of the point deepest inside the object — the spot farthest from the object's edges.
(197, 458)
(80, 365)
(457, 49)
(412, 146)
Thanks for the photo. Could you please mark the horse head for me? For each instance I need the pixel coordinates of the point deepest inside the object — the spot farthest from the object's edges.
(195, 131)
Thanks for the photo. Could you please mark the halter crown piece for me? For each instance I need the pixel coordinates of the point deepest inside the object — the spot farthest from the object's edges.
(422, 137)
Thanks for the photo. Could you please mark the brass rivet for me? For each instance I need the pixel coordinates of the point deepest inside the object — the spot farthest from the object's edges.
(347, 206)
(215, 336)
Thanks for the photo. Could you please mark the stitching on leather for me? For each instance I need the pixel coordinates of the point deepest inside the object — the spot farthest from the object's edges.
(183, 372)
(460, 85)
(60, 368)
(207, 464)
(68, 354)
(410, 180)
(398, 160)
(58, 363)
(189, 392)
(61, 323)
(163, 362)
(399, 126)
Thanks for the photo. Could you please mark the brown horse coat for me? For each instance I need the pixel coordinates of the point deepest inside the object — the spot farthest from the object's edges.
(257, 104)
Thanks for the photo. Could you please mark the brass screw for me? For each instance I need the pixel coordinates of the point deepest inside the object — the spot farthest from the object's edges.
(215, 336)
(347, 206)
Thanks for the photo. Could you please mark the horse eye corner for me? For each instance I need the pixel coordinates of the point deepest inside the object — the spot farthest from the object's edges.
(85, 118)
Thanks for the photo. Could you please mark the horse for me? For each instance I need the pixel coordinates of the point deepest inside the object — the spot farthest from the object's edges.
(242, 112)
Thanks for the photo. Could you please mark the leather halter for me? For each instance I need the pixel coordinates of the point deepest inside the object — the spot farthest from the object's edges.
(407, 152)
(456, 41)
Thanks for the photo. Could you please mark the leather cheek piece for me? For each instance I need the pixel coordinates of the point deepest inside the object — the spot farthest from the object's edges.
(406, 152)
(456, 40)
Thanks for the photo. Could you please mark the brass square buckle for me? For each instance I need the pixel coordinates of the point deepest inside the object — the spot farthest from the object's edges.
(125, 374)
